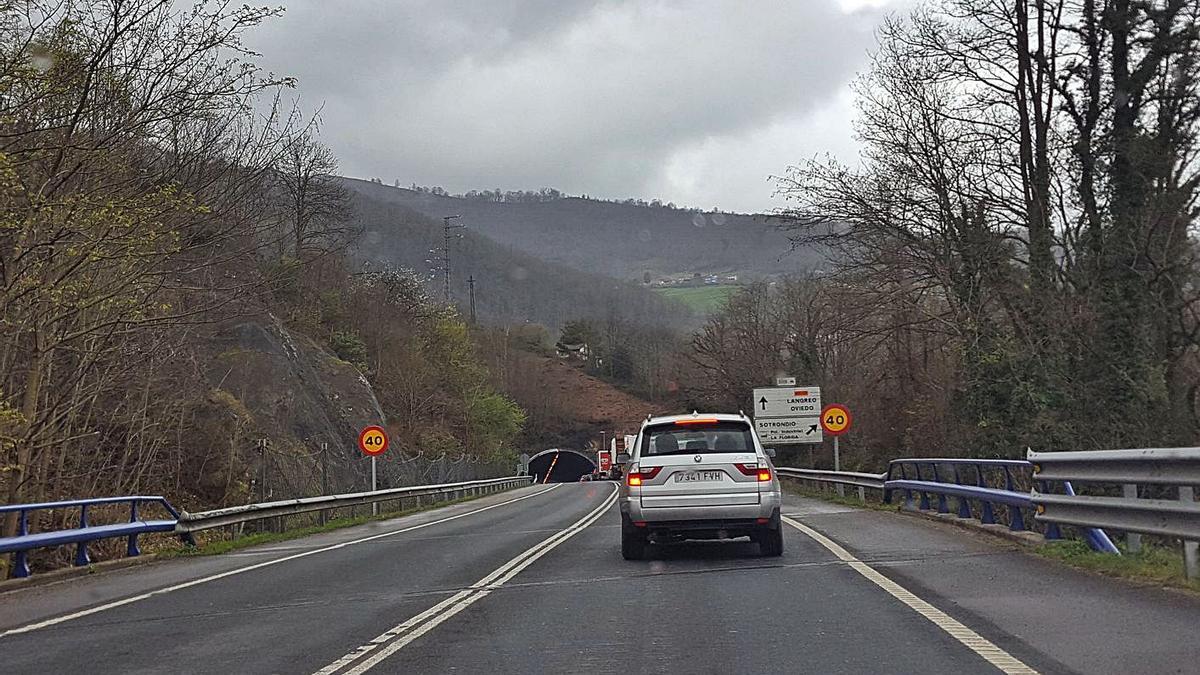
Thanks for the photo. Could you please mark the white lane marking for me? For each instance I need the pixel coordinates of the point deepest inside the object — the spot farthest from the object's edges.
(401, 635)
(1002, 660)
(196, 582)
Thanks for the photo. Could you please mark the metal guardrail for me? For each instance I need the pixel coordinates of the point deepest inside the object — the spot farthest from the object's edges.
(1162, 517)
(863, 480)
(84, 533)
(1150, 466)
(972, 484)
(195, 522)
(184, 523)
(924, 477)
(1176, 467)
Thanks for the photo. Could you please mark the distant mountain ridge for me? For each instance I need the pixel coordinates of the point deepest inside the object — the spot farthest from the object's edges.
(617, 239)
(511, 286)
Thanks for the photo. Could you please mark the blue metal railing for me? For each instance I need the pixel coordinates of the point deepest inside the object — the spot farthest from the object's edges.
(987, 481)
(85, 532)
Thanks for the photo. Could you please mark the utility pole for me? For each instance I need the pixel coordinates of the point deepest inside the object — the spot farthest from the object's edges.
(262, 469)
(446, 229)
(324, 477)
(471, 285)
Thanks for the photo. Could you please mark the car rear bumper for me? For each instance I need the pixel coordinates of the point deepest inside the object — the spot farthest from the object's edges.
(768, 504)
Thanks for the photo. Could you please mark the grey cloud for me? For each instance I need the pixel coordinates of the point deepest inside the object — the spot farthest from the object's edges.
(587, 97)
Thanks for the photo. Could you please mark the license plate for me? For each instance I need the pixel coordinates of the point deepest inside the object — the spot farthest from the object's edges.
(698, 476)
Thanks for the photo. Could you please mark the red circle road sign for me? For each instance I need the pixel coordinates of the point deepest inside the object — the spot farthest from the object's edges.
(373, 440)
(835, 419)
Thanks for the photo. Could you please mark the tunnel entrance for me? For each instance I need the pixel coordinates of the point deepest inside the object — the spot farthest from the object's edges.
(563, 466)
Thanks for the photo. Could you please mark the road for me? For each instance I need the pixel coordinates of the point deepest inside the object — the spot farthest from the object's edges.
(532, 580)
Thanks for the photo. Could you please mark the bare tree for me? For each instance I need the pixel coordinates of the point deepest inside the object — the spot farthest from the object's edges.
(317, 203)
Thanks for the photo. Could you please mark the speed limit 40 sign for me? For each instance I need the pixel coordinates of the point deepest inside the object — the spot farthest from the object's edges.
(835, 419)
(373, 440)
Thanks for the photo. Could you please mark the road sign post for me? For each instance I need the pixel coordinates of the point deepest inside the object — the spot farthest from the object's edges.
(373, 440)
(835, 420)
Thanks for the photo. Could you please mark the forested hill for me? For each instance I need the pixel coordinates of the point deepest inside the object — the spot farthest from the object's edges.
(510, 286)
(622, 240)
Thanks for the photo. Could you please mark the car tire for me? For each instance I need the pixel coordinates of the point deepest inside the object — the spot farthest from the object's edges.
(633, 541)
(770, 539)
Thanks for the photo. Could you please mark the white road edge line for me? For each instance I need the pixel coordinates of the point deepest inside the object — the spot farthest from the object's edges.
(196, 582)
(1002, 660)
(401, 635)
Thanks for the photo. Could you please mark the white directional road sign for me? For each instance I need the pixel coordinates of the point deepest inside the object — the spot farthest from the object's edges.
(789, 429)
(787, 402)
(788, 414)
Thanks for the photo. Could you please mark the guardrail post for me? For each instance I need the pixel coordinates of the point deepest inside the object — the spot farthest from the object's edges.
(1016, 521)
(1191, 559)
(1133, 540)
(862, 494)
(131, 546)
(986, 515)
(20, 560)
(887, 494)
(942, 506)
(964, 504)
(1052, 530)
(924, 495)
(81, 552)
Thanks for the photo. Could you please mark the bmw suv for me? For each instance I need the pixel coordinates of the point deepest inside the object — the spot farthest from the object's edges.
(699, 477)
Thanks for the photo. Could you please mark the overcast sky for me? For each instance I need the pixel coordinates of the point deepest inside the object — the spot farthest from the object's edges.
(691, 102)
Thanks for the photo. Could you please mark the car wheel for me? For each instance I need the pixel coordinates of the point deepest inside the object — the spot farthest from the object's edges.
(633, 541)
(770, 539)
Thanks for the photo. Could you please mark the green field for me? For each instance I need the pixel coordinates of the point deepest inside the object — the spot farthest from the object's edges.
(702, 299)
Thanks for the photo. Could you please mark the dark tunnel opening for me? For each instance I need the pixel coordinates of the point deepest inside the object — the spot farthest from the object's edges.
(563, 466)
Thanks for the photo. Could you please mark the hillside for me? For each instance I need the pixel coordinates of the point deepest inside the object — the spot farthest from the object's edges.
(565, 406)
(511, 286)
(620, 240)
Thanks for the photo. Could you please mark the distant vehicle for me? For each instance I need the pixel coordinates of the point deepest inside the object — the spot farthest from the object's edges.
(604, 461)
(699, 477)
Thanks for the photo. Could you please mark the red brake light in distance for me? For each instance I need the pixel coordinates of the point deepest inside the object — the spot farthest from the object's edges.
(698, 420)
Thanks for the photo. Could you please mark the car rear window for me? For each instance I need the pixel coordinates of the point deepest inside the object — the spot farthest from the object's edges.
(691, 438)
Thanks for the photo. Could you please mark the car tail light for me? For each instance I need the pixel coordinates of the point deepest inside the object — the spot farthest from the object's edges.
(763, 472)
(635, 478)
(697, 420)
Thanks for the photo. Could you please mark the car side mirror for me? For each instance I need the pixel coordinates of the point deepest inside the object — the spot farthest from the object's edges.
(769, 452)
(623, 458)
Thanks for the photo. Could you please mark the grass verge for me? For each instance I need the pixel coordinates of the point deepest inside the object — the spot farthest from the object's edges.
(218, 546)
(1153, 564)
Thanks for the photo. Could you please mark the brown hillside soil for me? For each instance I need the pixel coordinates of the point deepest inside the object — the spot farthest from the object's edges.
(593, 400)
(568, 408)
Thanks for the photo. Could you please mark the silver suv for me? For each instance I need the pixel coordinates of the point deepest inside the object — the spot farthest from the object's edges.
(699, 477)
